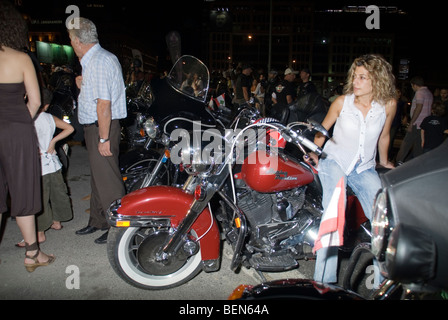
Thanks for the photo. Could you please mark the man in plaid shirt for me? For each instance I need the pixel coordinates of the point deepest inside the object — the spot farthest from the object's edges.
(101, 103)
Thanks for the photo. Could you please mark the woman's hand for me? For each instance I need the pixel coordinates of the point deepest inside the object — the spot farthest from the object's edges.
(388, 165)
(52, 147)
(312, 158)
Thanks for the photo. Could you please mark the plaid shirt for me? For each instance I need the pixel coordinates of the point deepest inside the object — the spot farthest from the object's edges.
(102, 78)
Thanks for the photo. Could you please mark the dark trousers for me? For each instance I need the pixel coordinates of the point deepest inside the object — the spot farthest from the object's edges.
(412, 142)
(106, 182)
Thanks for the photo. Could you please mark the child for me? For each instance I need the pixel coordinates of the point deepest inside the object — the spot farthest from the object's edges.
(56, 202)
(434, 127)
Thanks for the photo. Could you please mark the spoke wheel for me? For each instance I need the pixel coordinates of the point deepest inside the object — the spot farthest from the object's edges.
(133, 254)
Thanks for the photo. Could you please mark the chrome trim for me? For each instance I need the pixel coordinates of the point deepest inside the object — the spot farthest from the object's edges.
(238, 249)
(210, 265)
(113, 217)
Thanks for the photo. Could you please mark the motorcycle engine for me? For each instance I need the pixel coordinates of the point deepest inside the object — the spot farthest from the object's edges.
(262, 208)
(280, 224)
(278, 220)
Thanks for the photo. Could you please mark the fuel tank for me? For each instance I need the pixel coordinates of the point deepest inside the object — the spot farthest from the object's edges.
(277, 174)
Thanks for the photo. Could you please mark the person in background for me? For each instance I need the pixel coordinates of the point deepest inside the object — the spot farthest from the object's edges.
(434, 127)
(269, 90)
(259, 93)
(397, 121)
(101, 103)
(444, 100)
(56, 202)
(362, 119)
(307, 86)
(284, 95)
(242, 85)
(420, 109)
(285, 91)
(336, 93)
(20, 172)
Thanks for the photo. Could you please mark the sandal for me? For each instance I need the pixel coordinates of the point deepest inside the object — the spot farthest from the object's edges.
(30, 267)
(21, 243)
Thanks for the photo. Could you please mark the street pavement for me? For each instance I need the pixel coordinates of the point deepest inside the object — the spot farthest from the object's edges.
(82, 270)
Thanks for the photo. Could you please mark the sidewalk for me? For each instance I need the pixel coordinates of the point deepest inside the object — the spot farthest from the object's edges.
(80, 261)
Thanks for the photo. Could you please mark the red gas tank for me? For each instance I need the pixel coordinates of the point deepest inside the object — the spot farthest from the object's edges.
(273, 176)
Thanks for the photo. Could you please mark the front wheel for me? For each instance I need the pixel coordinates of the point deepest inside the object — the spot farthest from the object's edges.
(132, 254)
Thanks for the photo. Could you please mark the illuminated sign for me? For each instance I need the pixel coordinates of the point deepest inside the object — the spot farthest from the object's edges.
(54, 53)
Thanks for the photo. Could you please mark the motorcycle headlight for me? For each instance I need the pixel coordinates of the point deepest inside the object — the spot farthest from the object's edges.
(195, 153)
(151, 127)
(411, 255)
(380, 225)
(196, 161)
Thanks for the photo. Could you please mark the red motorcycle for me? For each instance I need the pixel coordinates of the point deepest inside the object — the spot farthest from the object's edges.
(248, 185)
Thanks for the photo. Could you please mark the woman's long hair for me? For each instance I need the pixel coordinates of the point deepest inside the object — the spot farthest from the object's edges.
(14, 30)
(380, 72)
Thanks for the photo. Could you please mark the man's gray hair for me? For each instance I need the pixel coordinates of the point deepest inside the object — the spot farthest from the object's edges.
(85, 30)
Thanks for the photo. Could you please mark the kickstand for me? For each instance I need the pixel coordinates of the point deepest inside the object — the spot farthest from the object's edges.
(261, 275)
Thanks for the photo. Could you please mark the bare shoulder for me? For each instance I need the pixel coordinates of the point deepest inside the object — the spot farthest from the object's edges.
(338, 104)
(391, 106)
(9, 53)
(13, 59)
(24, 58)
(340, 99)
(13, 64)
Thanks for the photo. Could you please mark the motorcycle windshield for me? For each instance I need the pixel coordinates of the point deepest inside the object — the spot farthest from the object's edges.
(190, 77)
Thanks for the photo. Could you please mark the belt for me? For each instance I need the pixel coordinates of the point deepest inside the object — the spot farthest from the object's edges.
(90, 124)
(96, 123)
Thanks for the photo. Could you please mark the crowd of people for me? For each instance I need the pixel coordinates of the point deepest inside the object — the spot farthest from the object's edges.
(291, 90)
(363, 119)
(276, 88)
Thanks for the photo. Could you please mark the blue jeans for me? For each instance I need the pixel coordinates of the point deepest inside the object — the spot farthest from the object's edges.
(365, 185)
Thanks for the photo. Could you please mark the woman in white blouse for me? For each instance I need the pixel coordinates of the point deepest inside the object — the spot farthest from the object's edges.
(362, 119)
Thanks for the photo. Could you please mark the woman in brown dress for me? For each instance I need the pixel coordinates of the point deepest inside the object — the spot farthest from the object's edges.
(19, 157)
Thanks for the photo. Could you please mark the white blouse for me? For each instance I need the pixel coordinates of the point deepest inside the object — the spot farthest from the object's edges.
(45, 128)
(355, 138)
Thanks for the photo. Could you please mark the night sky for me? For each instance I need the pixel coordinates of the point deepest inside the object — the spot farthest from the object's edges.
(150, 21)
(425, 33)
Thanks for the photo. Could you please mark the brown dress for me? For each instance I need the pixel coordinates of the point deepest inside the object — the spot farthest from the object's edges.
(20, 171)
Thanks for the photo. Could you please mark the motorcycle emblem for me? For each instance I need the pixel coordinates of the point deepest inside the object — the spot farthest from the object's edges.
(283, 175)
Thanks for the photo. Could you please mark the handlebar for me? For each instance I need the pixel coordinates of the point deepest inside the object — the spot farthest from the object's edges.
(310, 145)
(292, 136)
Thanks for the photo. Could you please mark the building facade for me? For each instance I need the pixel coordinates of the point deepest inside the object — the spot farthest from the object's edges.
(279, 34)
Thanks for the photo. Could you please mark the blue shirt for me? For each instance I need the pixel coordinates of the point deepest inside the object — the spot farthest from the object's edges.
(102, 78)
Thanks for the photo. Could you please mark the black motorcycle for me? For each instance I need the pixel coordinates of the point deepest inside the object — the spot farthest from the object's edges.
(409, 225)
(174, 105)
